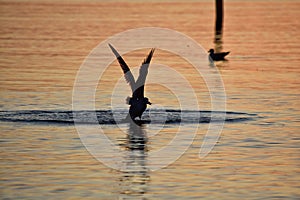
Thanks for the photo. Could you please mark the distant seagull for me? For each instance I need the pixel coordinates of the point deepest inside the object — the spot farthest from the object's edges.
(138, 103)
(217, 56)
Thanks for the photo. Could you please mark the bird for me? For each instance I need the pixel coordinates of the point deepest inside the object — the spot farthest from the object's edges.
(138, 102)
(217, 56)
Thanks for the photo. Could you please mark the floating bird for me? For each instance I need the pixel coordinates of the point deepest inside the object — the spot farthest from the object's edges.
(217, 56)
(138, 102)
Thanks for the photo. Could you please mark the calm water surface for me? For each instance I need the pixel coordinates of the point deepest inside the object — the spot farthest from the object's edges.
(42, 48)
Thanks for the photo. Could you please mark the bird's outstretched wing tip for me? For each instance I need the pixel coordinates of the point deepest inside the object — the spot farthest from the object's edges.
(149, 57)
(152, 51)
(114, 50)
(111, 47)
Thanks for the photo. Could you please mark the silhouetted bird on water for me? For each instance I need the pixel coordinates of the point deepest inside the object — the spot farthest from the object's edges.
(138, 103)
(217, 56)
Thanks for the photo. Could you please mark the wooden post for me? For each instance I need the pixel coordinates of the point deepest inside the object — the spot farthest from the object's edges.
(219, 25)
(219, 16)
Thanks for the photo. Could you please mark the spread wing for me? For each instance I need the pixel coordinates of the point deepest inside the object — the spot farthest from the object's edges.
(127, 73)
(139, 92)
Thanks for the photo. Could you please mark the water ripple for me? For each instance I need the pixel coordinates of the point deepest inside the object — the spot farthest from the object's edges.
(112, 117)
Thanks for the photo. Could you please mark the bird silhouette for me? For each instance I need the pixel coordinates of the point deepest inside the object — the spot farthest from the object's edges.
(138, 102)
(217, 56)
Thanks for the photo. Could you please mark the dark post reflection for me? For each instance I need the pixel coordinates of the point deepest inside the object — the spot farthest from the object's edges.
(135, 177)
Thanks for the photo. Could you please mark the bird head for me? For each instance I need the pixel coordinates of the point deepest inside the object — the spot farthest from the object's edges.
(211, 51)
(147, 101)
